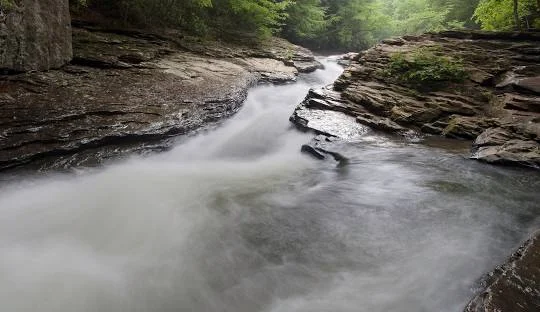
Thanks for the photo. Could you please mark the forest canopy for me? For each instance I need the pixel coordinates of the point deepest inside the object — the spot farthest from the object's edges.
(323, 24)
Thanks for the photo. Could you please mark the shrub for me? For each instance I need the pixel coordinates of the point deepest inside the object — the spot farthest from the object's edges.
(425, 68)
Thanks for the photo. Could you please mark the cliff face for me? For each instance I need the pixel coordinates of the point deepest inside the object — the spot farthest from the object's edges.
(497, 105)
(35, 35)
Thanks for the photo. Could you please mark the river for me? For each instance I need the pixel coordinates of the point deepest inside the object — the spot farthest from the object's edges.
(236, 219)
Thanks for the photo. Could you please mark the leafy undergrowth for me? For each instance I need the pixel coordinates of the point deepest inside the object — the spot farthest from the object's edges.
(425, 68)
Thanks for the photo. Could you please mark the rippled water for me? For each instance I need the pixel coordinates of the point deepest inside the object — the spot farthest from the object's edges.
(238, 219)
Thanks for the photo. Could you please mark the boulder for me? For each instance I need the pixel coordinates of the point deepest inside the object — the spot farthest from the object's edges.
(35, 35)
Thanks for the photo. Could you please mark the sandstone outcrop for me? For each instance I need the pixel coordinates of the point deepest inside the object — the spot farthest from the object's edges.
(35, 35)
(497, 106)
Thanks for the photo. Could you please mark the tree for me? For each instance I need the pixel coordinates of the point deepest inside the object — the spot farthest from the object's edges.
(516, 15)
(305, 20)
(261, 17)
(328, 24)
(356, 24)
(419, 16)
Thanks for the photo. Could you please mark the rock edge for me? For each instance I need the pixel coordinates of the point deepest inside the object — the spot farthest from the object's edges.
(515, 285)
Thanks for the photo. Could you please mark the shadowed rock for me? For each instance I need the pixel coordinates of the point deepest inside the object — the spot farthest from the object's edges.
(320, 153)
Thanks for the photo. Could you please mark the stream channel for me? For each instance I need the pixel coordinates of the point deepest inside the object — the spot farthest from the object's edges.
(236, 219)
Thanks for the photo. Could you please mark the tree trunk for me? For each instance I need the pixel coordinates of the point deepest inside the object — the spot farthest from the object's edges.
(516, 15)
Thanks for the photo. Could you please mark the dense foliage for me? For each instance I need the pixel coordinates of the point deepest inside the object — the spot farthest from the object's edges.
(260, 17)
(355, 24)
(508, 14)
(324, 24)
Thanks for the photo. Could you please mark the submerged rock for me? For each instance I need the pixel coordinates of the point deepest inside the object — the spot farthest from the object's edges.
(515, 285)
(308, 149)
(499, 95)
(315, 150)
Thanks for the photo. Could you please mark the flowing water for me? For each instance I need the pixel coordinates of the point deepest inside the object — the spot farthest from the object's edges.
(237, 219)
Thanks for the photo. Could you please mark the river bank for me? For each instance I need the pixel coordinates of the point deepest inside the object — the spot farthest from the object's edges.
(496, 105)
(125, 90)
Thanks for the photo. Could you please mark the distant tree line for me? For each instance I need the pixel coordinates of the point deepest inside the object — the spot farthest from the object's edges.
(324, 24)
(355, 24)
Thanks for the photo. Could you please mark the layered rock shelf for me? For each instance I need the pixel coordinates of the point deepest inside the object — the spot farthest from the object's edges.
(497, 106)
(125, 90)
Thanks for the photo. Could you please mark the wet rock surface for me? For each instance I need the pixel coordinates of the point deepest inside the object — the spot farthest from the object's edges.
(515, 285)
(128, 90)
(34, 35)
(496, 107)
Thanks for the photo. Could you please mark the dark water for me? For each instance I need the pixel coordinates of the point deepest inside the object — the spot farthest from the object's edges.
(238, 220)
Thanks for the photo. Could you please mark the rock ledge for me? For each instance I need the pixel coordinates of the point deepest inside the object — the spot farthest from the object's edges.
(128, 90)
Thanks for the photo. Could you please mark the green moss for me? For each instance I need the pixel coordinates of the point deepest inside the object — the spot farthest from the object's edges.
(425, 68)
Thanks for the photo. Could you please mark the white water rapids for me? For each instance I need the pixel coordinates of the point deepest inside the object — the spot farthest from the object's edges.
(237, 219)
